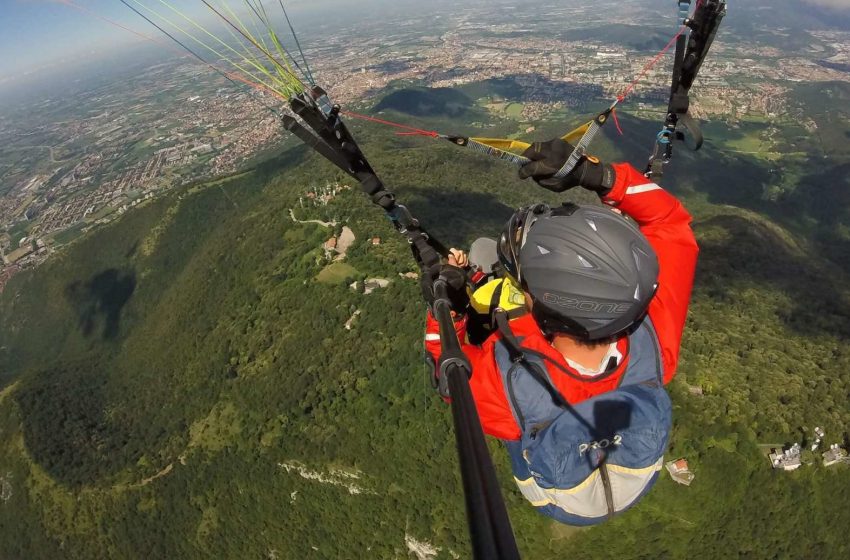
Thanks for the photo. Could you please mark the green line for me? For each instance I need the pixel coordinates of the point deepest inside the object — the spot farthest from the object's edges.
(282, 53)
(284, 93)
(283, 88)
(288, 74)
(244, 28)
(256, 30)
(241, 43)
(284, 74)
(295, 82)
(253, 62)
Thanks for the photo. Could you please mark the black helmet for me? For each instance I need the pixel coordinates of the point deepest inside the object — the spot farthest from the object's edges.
(590, 271)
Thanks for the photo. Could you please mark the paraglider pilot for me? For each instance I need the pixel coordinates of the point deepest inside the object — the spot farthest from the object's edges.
(574, 387)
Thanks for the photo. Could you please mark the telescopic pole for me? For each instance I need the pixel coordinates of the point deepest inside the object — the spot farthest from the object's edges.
(489, 525)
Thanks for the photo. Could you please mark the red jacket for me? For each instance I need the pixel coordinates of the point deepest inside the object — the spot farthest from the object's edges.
(666, 224)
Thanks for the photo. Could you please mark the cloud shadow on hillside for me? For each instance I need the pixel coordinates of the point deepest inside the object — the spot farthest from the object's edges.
(100, 301)
(458, 217)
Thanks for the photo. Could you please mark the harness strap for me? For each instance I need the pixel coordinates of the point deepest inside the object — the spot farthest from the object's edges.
(511, 343)
(517, 355)
(694, 131)
(494, 301)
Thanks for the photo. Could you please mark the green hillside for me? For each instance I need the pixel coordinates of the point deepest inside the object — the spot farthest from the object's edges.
(198, 380)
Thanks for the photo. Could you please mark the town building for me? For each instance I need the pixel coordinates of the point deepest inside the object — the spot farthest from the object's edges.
(18, 254)
(788, 460)
(680, 472)
(835, 454)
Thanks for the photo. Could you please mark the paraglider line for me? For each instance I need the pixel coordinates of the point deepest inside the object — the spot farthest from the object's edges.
(650, 64)
(298, 44)
(411, 131)
(264, 19)
(110, 21)
(655, 60)
(230, 77)
(283, 84)
(250, 39)
(172, 37)
(616, 121)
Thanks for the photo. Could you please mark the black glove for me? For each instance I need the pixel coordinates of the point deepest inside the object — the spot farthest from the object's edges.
(547, 158)
(456, 286)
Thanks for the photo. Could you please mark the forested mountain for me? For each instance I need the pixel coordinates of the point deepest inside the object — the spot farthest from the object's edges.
(199, 380)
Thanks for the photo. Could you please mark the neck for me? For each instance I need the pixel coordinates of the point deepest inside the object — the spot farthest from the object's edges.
(588, 355)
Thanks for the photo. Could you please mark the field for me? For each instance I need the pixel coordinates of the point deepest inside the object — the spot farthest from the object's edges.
(69, 234)
(335, 273)
(508, 109)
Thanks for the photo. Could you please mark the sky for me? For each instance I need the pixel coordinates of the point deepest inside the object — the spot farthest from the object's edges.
(35, 34)
(841, 4)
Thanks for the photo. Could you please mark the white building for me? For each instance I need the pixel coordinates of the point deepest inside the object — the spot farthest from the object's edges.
(788, 460)
(835, 454)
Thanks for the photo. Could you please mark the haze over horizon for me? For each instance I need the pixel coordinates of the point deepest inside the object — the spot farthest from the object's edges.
(47, 34)
(44, 34)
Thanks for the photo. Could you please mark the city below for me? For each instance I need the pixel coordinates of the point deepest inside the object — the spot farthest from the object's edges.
(73, 164)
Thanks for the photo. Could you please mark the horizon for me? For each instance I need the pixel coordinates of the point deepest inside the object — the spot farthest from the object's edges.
(79, 42)
(47, 34)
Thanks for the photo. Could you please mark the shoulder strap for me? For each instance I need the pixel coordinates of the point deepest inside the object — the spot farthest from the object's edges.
(516, 353)
(644, 332)
(494, 300)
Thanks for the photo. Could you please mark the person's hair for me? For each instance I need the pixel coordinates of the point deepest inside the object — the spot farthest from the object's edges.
(588, 343)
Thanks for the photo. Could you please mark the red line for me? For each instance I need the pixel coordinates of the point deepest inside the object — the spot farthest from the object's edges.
(115, 23)
(655, 60)
(412, 130)
(616, 121)
(650, 64)
(247, 82)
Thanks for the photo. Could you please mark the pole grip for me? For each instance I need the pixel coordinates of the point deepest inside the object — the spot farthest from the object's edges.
(489, 525)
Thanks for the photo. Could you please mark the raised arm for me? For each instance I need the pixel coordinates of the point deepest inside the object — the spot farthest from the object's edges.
(662, 219)
(485, 383)
(667, 225)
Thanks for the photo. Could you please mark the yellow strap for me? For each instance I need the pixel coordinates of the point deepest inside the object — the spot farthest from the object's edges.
(511, 299)
(518, 146)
